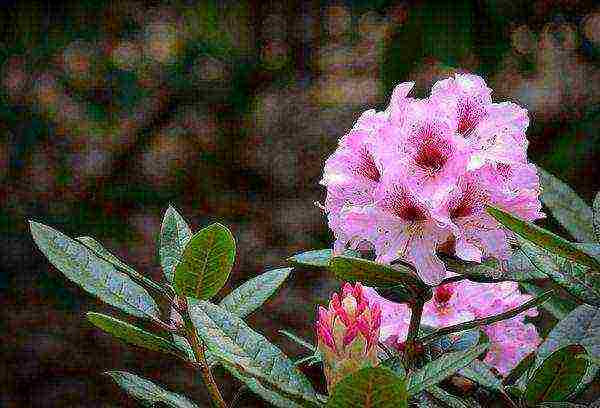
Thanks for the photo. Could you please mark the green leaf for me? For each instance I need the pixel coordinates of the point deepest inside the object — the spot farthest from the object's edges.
(581, 326)
(298, 340)
(446, 398)
(261, 390)
(480, 372)
(518, 268)
(561, 405)
(370, 387)
(252, 294)
(133, 335)
(230, 339)
(442, 368)
(543, 238)
(93, 274)
(520, 369)
(596, 217)
(318, 258)
(460, 341)
(401, 278)
(558, 307)
(148, 393)
(578, 280)
(206, 262)
(557, 377)
(174, 236)
(567, 207)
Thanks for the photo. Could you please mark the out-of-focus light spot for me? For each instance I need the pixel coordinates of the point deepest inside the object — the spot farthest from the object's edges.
(162, 163)
(333, 90)
(398, 14)
(523, 40)
(338, 20)
(77, 59)
(275, 54)
(46, 91)
(305, 28)
(210, 69)
(334, 59)
(4, 158)
(274, 27)
(371, 26)
(561, 35)
(591, 28)
(162, 43)
(126, 55)
(14, 78)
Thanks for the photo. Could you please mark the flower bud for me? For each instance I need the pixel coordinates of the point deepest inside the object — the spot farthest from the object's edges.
(347, 333)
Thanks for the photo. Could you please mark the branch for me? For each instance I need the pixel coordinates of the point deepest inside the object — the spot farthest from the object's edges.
(207, 376)
(487, 320)
(416, 312)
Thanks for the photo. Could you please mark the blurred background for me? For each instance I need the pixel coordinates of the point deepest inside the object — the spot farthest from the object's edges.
(110, 111)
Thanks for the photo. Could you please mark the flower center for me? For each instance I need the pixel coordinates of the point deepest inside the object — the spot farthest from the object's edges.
(403, 206)
(443, 293)
(469, 115)
(468, 203)
(431, 157)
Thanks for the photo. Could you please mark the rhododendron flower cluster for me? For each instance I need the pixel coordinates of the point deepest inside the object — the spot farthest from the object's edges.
(348, 333)
(407, 180)
(455, 303)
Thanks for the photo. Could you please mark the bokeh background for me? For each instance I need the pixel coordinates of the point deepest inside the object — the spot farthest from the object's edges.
(111, 110)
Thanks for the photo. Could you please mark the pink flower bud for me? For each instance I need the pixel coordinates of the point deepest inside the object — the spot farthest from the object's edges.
(347, 333)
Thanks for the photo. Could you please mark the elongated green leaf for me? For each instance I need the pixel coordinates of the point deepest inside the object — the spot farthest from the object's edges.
(298, 340)
(401, 278)
(174, 236)
(578, 280)
(206, 262)
(148, 393)
(371, 387)
(248, 297)
(557, 377)
(520, 370)
(133, 335)
(447, 398)
(581, 326)
(544, 239)
(93, 274)
(596, 217)
(229, 338)
(318, 258)
(265, 392)
(442, 368)
(480, 372)
(559, 308)
(567, 207)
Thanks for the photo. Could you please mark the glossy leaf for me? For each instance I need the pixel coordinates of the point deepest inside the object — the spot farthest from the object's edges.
(249, 296)
(230, 339)
(318, 258)
(567, 207)
(370, 387)
(261, 390)
(558, 307)
(442, 368)
(174, 236)
(369, 273)
(206, 263)
(480, 372)
(596, 217)
(148, 393)
(543, 238)
(578, 280)
(520, 369)
(93, 274)
(581, 326)
(132, 334)
(447, 398)
(557, 377)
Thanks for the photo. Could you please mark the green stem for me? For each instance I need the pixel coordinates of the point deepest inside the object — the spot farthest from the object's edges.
(207, 377)
(487, 320)
(416, 312)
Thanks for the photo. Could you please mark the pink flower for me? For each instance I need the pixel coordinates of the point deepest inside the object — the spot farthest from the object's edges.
(421, 173)
(348, 333)
(459, 302)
